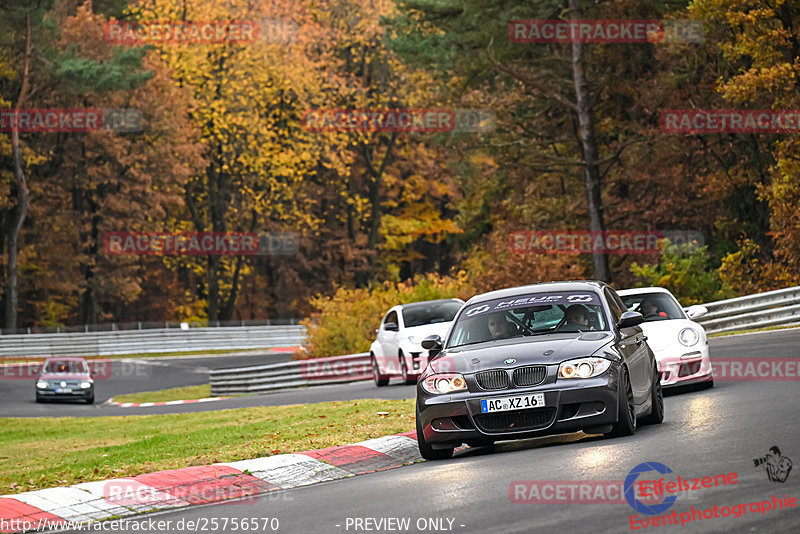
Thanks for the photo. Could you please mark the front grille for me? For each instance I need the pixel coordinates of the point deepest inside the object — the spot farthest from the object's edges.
(496, 379)
(515, 421)
(530, 376)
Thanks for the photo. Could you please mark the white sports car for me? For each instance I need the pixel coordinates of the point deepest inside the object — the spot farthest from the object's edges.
(679, 343)
(396, 350)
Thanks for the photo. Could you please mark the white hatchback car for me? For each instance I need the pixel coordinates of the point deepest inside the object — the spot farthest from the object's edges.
(679, 343)
(396, 350)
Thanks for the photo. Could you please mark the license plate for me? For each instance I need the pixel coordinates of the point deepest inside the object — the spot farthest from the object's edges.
(504, 404)
(63, 390)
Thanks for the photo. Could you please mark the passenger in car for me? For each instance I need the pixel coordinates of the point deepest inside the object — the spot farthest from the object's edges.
(499, 328)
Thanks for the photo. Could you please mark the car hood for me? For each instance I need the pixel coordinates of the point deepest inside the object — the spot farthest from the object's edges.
(664, 334)
(548, 349)
(64, 376)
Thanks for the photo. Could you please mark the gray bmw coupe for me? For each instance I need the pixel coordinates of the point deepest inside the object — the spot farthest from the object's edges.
(542, 359)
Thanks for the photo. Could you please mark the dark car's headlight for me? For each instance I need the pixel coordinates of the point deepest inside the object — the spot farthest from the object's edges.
(440, 384)
(583, 367)
(688, 337)
(41, 384)
(86, 384)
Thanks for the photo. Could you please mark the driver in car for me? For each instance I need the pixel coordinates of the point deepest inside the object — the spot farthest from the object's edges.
(650, 309)
(577, 317)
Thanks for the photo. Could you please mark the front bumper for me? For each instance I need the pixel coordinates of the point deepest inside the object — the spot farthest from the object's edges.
(79, 394)
(570, 406)
(692, 366)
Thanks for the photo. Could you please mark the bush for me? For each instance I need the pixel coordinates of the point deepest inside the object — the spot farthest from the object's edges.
(345, 323)
(686, 272)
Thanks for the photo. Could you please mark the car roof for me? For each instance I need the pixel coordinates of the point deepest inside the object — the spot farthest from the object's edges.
(640, 290)
(572, 285)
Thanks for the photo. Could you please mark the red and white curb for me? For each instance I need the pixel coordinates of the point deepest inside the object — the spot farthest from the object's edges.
(68, 507)
(112, 402)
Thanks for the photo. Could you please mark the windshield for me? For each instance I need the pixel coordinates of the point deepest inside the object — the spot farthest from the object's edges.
(654, 306)
(529, 315)
(63, 367)
(430, 313)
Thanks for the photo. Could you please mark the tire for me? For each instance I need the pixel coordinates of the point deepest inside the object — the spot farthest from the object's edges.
(379, 379)
(90, 400)
(404, 371)
(428, 452)
(626, 414)
(39, 399)
(656, 415)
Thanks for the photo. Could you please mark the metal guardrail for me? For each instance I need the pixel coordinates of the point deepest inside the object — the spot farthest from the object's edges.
(150, 341)
(315, 371)
(145, 325)
(772, 308)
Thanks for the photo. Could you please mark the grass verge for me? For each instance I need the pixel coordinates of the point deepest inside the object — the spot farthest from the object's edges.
(44, 452)
(166, 395)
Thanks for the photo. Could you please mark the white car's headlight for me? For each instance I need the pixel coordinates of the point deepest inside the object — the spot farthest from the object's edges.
(86, 385)
(440, 384)
(415, 339)
(41, 384)
(688, 337)
(583, 367)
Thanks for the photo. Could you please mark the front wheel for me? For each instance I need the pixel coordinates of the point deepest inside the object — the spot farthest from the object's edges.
(656, 415)
(428, 452)
(404, 371)
(379, 379)
(626, 411)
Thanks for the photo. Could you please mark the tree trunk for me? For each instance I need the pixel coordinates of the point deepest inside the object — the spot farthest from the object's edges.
(23, 195)
(376, 176)
(591, 171)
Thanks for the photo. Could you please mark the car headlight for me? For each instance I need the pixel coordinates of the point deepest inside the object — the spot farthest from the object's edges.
(688, 337)
(444, 383)
(583, 368)
(41, 384)
(86, 385)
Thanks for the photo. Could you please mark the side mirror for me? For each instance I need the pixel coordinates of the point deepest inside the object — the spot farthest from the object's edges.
(629, 319)
(696, 311)
(392, 327)
(432, 343)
